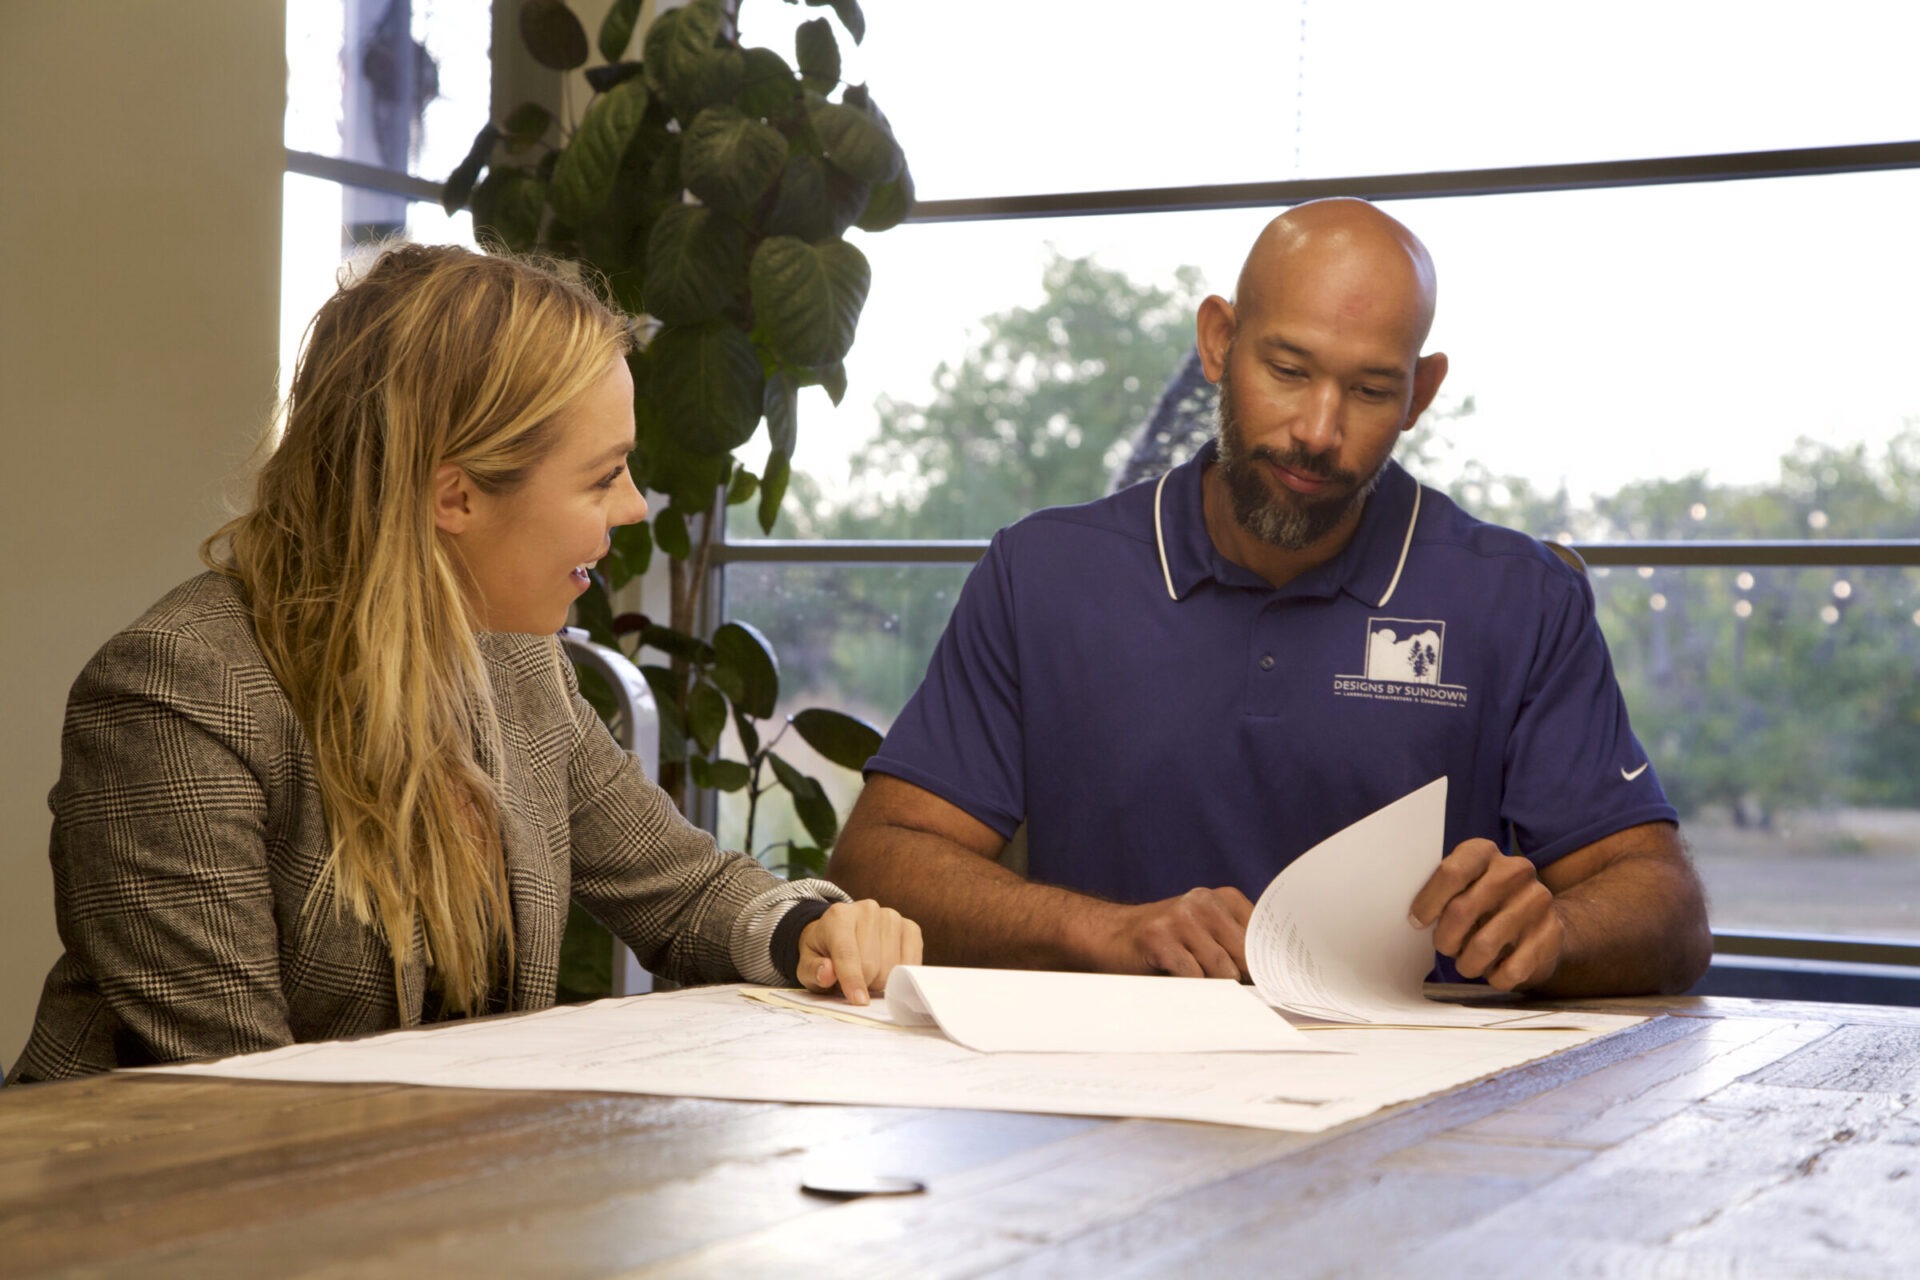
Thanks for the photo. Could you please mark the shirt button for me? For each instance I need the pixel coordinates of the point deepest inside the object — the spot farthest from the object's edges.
(1266, 662)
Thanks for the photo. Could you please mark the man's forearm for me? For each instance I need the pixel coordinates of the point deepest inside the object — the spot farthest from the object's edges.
(970, 909)
(1636, 926)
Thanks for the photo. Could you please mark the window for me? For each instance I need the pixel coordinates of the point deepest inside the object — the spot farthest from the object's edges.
(1655, 340)
(383, 100)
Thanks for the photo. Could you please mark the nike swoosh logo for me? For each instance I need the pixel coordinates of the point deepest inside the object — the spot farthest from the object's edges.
(1636, 773)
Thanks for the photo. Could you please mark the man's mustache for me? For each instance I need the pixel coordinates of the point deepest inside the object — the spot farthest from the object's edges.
(1318, 465)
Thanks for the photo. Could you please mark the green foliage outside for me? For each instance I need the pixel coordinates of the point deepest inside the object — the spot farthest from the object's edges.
(1779, 689)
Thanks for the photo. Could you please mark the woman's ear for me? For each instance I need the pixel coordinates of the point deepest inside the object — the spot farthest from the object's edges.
(453, 500)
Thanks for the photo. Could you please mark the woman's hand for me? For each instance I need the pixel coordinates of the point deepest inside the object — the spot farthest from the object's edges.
(854, 946)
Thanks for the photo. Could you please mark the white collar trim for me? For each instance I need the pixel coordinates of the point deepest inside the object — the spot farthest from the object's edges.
(1160, 538)
(1405, 546)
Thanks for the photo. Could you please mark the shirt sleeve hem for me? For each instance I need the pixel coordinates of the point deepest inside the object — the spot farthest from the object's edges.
(1004, 823)
(1600, 830)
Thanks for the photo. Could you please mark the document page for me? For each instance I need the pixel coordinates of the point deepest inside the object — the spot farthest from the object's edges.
(1329, 937)
(1009, 1010)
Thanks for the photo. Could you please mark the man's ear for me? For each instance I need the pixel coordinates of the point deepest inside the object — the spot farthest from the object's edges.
(1213, 332)
(1428, 373)
(453, 499)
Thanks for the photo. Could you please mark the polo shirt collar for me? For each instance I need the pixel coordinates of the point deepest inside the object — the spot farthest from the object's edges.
(1370, 568)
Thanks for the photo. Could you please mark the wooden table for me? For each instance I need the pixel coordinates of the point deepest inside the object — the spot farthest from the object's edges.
(1734, 1138)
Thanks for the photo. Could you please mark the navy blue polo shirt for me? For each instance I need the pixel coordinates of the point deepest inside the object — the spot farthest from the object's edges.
(1162, 718)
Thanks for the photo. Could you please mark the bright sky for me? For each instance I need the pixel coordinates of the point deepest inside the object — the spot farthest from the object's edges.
(1604, 336)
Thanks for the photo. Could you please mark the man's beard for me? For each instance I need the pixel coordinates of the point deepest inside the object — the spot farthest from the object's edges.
(1271, 512)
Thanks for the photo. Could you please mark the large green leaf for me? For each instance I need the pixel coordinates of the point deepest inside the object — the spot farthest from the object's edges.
(632, 553)
(729, 159)
(584, 176)
(670, 533)
(783, 412)
(742, 487)
(459, 185)
(719, 775)
(661, 459)
(850, 16)
(856, 142)
(740, 649)
(749, 736)
(706, 715)
(807, 297)
(889, 204)
(809, 802)
(526, 125)
(818, 54)
(616, 29)
(815, 201)
(553, 35)
(601, 79)
(773, 487)
(707, 386)
(666, 692)
(677, 43)
(841, 738)
(676, 644)
(696, 264)
(768, 87)
(507, 205)
(831, 377)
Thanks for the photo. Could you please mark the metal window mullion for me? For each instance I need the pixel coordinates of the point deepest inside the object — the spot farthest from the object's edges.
(352, 173)
(1517, 180)
(1697, 555)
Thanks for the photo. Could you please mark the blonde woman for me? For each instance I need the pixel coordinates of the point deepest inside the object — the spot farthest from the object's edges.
(345, 782)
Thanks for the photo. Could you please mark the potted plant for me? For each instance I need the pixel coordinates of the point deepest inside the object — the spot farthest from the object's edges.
(711, 184)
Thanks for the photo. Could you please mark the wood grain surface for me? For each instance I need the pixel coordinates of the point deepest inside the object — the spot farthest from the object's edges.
(1733, 1138)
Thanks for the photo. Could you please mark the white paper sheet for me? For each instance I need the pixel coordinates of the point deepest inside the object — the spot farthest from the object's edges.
(708, 1042)
(1329, 938)
(1012, 1010)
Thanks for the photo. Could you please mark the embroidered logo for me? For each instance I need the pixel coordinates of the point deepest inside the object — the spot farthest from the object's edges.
(1401, 663)
(1629, 777)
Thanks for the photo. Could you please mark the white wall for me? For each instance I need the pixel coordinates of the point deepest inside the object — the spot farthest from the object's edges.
(140, 173)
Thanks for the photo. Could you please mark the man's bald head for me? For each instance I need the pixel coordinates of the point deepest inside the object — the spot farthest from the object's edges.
(1351, 247)
(1319, 363)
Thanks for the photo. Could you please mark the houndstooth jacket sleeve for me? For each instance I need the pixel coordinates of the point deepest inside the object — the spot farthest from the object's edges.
(189, 843)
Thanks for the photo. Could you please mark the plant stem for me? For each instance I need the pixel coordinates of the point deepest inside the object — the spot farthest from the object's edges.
(686, 588)
(753, 800)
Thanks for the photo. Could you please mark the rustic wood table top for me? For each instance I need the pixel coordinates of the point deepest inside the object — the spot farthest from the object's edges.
(1732, 1138)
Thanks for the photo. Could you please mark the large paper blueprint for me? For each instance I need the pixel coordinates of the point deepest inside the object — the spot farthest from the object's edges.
(711, 1042)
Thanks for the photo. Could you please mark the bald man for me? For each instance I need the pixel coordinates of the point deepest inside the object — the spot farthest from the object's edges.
(1181, 688)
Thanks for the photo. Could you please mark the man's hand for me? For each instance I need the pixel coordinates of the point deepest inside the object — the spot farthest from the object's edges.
(854, 946)
(1200, 934)
(1490, 912)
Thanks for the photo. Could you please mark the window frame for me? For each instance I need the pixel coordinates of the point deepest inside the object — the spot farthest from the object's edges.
(1756, 962)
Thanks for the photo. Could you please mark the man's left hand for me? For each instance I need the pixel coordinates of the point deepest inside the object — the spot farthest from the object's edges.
(854, 946)
(1492, 915)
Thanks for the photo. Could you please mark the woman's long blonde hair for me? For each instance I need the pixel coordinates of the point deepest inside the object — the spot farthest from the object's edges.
(433, 356)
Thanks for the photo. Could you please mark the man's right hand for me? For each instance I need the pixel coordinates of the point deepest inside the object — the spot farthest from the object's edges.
(1200, 934)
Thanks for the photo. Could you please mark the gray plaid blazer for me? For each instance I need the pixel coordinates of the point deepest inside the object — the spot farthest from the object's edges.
(188, 838)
